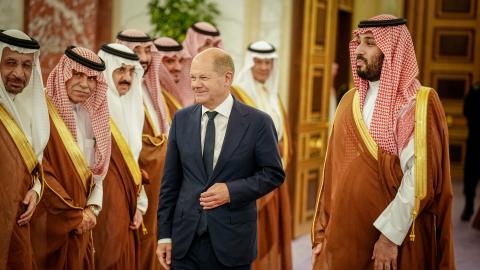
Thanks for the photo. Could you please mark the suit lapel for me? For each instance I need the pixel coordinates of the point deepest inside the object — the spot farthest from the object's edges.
(236, 128)
(196, 140)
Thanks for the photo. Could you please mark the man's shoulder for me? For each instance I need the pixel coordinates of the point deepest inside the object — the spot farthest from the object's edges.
(187, 111)
(346, 99)
(250, 111)
(429, 93)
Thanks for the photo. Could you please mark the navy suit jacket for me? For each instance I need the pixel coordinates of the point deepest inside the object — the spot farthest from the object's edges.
(250, 165)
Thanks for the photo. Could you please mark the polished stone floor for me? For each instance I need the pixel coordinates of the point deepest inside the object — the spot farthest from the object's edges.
(467, 240)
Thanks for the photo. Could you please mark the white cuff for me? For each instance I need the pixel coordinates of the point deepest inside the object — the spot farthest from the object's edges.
(396, 219)
(37, 187)
(389, 230)
(142, 201)
(165, 241)
(96, 196)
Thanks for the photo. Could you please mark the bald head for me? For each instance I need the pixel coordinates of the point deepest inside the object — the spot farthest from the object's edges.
(222, 62)
(211, 76)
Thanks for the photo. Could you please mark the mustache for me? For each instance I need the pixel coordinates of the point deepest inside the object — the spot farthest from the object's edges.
(125, 82)
(16, 80)
(81, 90)
(359, 57)
(143, 63)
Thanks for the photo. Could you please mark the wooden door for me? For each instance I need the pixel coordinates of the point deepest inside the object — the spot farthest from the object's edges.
(446, 34)
(313, 52)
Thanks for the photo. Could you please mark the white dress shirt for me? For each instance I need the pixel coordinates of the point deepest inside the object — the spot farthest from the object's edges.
(221, 122)
(395, 221)
(86, 143)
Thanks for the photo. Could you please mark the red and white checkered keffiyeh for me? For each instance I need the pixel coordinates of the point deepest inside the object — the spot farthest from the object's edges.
(194, 40)
(96, 105)
(151, 77)
(394, 113)
(181, 91)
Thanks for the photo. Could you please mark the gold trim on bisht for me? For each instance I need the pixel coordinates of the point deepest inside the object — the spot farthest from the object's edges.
(169, 97)
(285, 138)
(420, 146)
(362, 128)
(237, 91)
(19, 138)
(23, 145)
(150, 121)
(71, 146)
(156, 140)
(127, 155)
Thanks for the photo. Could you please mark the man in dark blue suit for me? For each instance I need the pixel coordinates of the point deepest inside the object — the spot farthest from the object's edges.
(222, 156)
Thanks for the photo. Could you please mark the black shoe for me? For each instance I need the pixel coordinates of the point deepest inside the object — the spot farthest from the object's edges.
(467, 213)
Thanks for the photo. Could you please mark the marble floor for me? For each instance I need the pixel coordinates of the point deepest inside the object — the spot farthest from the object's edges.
(467, 240)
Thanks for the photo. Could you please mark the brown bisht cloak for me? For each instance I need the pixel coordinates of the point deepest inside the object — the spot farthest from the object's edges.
(172, 104)
(116, 245)
(360, 180)
(68, 182)
(152, 158)
(273, 211)
(18, 168)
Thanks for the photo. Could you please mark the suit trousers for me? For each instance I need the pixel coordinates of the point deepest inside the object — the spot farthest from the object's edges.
(201, 256)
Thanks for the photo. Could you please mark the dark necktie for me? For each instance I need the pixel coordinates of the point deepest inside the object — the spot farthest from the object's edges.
(208, 149)
(209, 144)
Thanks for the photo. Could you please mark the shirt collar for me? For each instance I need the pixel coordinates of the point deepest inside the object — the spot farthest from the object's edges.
(260, 86)
(373, 87)
(225, 108)
(12, 96)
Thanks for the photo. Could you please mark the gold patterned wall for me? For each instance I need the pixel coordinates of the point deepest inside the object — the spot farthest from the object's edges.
(446, 34)
(314, 39)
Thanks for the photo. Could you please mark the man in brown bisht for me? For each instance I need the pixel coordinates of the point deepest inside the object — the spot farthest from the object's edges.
(155, 130)
(174, 77)
(75, 162)
(387, 171)
(257, 86)
(24, 132)
(115, 237)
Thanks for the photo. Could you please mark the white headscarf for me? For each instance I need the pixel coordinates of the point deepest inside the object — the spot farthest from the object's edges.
(127, 111)
(29, 108)
(262, 50)
(245, 80)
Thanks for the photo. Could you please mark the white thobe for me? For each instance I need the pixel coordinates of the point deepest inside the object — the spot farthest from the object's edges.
(395, 221)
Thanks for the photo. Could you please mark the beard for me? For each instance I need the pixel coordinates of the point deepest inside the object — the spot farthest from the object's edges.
(373, 68)
(17, 88)
(145, 65)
